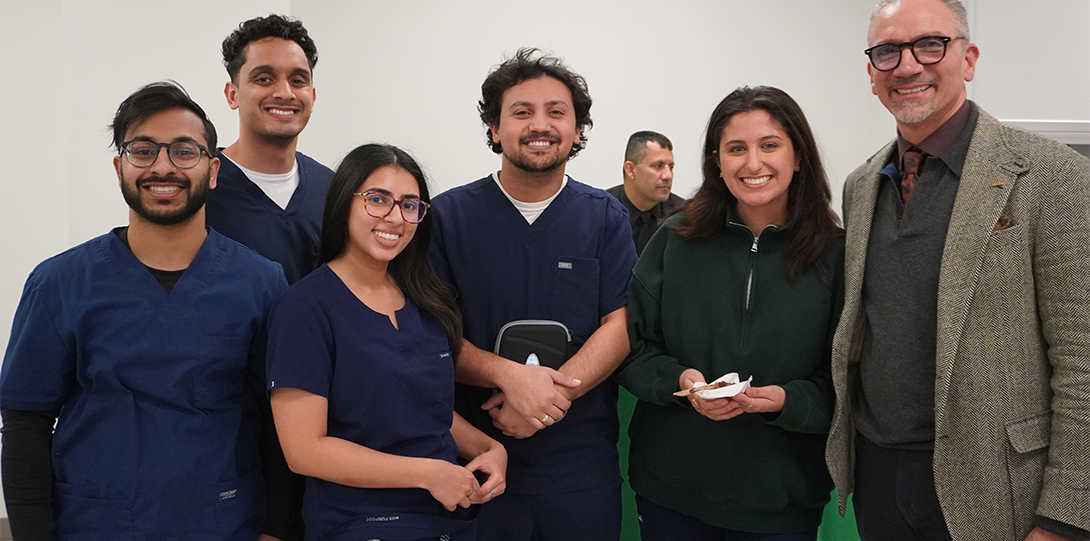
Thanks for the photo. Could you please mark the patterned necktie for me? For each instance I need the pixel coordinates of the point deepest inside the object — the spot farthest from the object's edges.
(911, 172)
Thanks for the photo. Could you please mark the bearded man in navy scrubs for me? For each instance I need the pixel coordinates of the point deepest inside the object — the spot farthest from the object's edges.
(529, 242)
(145, 346)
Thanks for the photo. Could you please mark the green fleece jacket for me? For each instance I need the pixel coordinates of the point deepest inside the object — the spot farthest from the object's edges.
(725, 305)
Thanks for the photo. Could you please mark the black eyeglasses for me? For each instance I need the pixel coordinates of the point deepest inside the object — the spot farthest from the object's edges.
(926, 50)
(184, 155)
(380, 205)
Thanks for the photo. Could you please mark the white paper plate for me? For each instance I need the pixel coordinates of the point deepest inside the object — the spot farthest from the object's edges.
(734, 388)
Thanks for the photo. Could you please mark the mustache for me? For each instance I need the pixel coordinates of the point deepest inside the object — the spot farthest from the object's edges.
(917, 78)
(169, 179)
(549, 136)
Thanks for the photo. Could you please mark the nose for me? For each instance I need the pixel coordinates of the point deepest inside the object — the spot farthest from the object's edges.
(162, 163)
(753, 161)
(908, 65)
(282, 90)
(538, 123)
(668, 174)
(395, 215)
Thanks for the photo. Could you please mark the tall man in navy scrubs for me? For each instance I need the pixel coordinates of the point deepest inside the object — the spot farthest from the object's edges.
(146, 347)
(271, 197)
(962, 359)
(529, 242)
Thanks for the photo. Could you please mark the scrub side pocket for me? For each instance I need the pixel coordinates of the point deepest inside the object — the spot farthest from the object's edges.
(80, 513)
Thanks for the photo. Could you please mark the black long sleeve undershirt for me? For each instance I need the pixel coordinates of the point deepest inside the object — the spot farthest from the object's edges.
(27, 469)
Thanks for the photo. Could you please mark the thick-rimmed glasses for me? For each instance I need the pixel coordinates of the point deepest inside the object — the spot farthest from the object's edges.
(926, 50)
(379, 205)
(183, 154)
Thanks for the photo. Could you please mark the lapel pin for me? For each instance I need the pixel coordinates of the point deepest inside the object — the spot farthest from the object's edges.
(997, 183)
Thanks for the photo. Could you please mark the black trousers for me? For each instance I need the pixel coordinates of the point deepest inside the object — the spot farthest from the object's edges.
(894, 496)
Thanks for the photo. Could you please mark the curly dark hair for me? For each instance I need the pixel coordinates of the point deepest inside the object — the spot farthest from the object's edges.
(814, 224)
(524, 66)
(273, 26)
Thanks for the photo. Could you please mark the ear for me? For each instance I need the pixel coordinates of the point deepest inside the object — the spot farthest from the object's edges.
(629, 170)
(117, 168)
(578, 135)
(972, 53)
(495, 129)
(230, 91)
(870, 73)
(213, 172)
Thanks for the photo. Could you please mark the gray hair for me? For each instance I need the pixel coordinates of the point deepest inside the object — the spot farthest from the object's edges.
(955, 5)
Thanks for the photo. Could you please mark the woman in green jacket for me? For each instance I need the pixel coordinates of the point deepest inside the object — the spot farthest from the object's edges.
(747, 279)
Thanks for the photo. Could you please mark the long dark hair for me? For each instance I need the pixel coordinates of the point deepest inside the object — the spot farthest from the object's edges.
(410, 269)
(809, 199)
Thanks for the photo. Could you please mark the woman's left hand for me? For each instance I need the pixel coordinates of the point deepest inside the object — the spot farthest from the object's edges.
(767, 399)
(492, 462)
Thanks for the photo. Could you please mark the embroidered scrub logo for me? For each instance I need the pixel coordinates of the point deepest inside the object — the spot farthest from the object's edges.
(444, 355)
(564, 265)
(228, 494)
(383, 519)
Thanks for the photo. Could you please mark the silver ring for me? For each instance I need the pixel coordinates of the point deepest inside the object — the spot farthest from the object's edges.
(491, 493)
(545, 419)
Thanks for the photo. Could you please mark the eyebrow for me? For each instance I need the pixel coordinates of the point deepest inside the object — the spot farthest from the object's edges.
(178, 139)
(551, 103)
(263, 68)
(764, 138)
(386, 192)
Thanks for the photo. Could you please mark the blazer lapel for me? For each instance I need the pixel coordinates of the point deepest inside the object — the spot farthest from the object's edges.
(860, 208)
(986, 182)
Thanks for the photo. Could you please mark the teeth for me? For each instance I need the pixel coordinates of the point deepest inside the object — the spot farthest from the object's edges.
(387, 236)
(756, 181)
(539, 143)
(281, 112)
(163, 189)
(913, 90)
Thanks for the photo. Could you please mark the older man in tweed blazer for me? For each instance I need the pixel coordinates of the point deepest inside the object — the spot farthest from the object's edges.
(962, 359)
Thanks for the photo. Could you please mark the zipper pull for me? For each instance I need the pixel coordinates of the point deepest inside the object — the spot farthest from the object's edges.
(754, 247)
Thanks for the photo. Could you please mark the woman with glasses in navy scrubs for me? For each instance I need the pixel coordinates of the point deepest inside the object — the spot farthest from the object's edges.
(361, 370)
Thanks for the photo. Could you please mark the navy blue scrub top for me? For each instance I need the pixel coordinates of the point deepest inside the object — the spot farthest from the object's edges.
(389, 389)
(158, 432)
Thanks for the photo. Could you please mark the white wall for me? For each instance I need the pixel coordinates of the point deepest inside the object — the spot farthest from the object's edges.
(409, 73)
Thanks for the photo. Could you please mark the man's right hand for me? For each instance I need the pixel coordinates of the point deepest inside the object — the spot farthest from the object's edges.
(533, 393)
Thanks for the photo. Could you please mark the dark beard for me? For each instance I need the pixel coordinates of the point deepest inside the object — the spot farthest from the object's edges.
(197, 194)
(524, 160)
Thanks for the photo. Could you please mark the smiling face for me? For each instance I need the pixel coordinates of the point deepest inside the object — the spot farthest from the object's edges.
(377, 241)
(273, 92)
(651, 178)
(920, 97)
(757, 161)
(162, 193)
(537, 125)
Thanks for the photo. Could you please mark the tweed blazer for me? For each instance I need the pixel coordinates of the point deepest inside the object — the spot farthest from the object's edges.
(1012, 381)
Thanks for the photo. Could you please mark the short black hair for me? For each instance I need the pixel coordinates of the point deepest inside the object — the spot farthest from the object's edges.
(273, 26)
(524, 66)
(155, 98)
(637, 144)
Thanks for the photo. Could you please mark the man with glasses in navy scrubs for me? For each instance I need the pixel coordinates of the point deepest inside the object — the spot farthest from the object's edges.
(529, 242)
(145, 346)
(962, 358)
